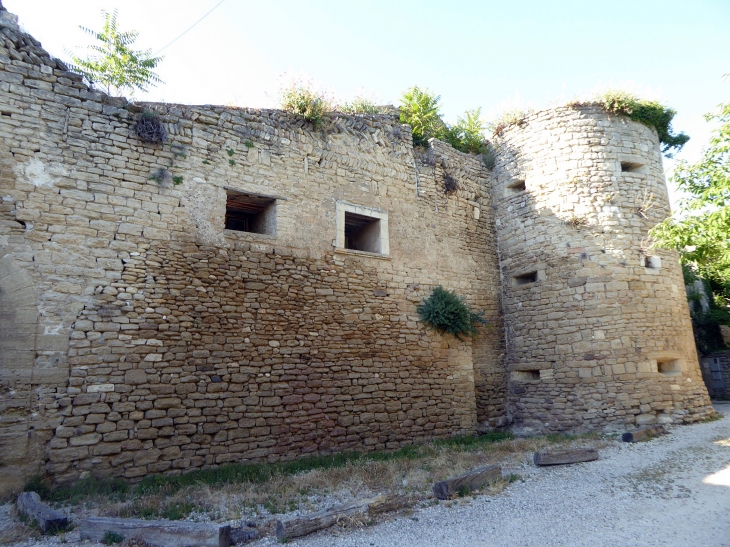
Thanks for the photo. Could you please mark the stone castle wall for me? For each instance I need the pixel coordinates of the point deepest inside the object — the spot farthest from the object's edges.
(598, 328)
(140, 336)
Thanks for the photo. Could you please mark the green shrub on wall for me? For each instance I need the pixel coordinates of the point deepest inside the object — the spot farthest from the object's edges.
(650, 113)
(305, 101)
(446, 312)
(360, 105)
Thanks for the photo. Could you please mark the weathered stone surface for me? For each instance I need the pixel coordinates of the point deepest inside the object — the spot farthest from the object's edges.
(130, 314)
(595, 338)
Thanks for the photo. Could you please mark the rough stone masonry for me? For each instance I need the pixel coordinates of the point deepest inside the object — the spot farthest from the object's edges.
(247, 290)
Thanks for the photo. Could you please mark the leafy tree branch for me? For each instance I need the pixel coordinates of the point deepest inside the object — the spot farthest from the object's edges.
(113, 64)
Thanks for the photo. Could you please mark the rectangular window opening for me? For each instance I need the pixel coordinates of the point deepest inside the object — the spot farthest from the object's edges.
(526, 375)
(516, 187)
(250, 213)
(631, 167)
(362, 233)
(669, 367)
(524, 279)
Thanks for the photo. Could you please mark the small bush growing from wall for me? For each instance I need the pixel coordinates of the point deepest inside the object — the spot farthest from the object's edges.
(468, 133)
(360, 105)
(420, 109)
(507, 119)
(305, 101)
(650, 113)
(446, 312)
(149, 127)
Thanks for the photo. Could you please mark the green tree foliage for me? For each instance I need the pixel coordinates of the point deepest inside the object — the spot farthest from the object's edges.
(446, 312)
(420, 109)
(468, 133)
(650, 113)
(701, 233)
(113, 64)
(702, 230)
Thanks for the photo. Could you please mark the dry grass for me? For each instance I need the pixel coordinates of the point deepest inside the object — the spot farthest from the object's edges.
(411, 471)
(13, 530)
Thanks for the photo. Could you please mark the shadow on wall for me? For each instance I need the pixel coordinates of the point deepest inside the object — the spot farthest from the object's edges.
(18, 323)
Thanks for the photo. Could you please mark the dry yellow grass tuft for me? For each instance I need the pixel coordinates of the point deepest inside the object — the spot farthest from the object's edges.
(411, 471)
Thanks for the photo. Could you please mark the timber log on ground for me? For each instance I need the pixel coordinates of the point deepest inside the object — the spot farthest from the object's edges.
(473, 480)
(159, 532)
(564, 457)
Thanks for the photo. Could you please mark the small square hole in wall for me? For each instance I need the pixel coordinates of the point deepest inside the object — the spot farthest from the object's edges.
(653, 262)
(250, 213)
(669, 367)
(516, 187)
(524, 279)
(362, 233)
(525, 375)
(631, 167)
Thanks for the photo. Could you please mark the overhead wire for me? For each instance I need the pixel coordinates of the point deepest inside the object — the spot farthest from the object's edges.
(191, 28)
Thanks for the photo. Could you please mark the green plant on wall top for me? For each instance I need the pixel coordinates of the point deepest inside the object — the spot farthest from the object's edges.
(650, 113)
(420, 109)
(446, 312)
(360, 105)
(305, 101)
(468, 133)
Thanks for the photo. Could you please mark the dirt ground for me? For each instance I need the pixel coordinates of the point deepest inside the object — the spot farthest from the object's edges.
(671, 491)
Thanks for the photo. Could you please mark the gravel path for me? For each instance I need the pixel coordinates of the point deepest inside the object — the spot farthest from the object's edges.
(655, 493)
(673, 491)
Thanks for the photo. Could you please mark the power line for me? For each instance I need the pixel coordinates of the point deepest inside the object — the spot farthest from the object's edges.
(191, 28)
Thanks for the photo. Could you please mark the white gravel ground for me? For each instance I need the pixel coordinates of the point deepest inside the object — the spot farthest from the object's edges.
(673, 491)
(655, 493)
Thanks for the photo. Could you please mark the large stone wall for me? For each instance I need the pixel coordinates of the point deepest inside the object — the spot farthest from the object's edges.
(597, 324)
(140, 336)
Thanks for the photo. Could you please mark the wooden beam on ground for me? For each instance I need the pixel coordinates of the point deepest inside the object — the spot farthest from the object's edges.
(563, 457)
(306, 524)
(243, 535)
(158, 532)
(49, 520)
(473, 480)
(644, 434)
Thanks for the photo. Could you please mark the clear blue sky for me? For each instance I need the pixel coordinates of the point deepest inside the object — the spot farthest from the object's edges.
(490, 54)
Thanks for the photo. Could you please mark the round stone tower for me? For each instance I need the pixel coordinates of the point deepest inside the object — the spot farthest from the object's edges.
(598, 331)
